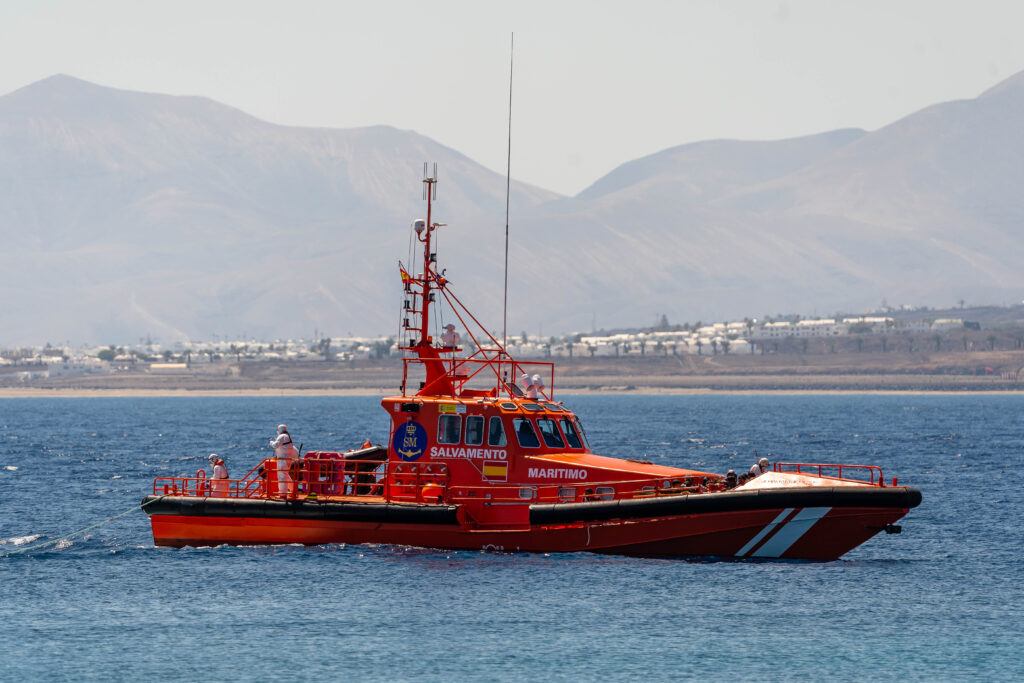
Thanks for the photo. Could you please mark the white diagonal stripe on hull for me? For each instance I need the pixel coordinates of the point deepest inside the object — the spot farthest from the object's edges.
(761, 534)
(791, 532)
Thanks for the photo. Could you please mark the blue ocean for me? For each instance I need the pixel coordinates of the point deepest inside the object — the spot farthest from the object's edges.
(940, 601)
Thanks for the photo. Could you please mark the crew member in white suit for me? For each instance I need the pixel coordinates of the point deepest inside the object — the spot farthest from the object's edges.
(219, 483)
(284, 451)
(759, 467)
(450, 337)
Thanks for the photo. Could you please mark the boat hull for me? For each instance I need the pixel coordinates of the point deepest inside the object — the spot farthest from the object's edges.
(797, 526)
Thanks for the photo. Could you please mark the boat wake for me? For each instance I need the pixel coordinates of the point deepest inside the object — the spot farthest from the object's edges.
(20, 540)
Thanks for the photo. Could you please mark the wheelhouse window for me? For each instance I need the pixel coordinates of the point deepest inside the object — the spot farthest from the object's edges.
(496, 433)
(474, 430)
(449, 429)
(549, 432)
(582, 433)
(525, 434)
(571, 435)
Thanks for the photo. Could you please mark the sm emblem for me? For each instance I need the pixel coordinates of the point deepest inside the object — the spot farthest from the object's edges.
(409, 441)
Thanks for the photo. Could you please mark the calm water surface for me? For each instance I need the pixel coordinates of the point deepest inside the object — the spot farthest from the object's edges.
(940, 601)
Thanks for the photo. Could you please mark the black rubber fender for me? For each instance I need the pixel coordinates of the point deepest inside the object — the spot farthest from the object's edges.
(395, 513)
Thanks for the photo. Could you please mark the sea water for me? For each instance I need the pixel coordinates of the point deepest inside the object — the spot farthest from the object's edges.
(942, 600)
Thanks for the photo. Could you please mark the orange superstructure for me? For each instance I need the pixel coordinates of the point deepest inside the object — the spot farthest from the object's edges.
(481, 455)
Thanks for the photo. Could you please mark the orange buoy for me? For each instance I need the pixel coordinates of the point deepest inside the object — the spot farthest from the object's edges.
(431, 493)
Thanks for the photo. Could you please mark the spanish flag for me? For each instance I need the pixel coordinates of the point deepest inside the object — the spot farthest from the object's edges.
(406, 278)
(495, 471)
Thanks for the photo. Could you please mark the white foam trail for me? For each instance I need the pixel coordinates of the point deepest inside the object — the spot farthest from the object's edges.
(21, 540)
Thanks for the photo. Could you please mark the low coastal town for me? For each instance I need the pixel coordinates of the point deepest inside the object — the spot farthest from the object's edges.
(790, 335)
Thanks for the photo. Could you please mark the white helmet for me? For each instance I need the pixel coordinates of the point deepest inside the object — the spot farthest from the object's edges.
(213, 458)
(281, 429)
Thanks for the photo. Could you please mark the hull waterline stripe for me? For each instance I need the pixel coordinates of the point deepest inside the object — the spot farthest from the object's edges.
(791, 532)
(764, 532)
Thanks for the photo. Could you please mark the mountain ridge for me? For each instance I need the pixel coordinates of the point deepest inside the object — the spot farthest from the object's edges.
(125, 214)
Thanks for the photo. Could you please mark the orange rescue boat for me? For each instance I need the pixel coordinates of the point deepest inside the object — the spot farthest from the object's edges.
(476, 461)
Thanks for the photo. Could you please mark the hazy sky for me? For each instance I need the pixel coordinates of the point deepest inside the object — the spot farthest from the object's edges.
(596, 83)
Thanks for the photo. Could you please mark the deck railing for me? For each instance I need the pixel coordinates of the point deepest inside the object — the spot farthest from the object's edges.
(412, 482)
(503, 375)
(331, 475)
(874, 473)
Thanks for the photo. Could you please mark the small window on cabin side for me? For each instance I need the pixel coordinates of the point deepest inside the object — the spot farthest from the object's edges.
(474, 430)
(570, 433)
(549, 430)
(449, 429)
(524, 433)
(496, 433)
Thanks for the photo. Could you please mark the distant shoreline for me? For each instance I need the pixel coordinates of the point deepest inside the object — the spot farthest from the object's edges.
(11, 393)
(1000, 372)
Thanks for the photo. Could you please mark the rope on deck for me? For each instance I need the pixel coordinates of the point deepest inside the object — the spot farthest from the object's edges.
(55, 541)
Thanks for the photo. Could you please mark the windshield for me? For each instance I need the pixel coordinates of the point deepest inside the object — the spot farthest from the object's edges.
(549, 431)
(525, 434)
(583, 434)
(570, 433)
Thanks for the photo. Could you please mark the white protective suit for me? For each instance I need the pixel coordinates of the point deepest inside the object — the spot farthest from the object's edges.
(757, 470)
(219, 480)
(285, 452)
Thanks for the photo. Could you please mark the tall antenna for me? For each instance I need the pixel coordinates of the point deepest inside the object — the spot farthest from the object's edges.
(508, 184)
